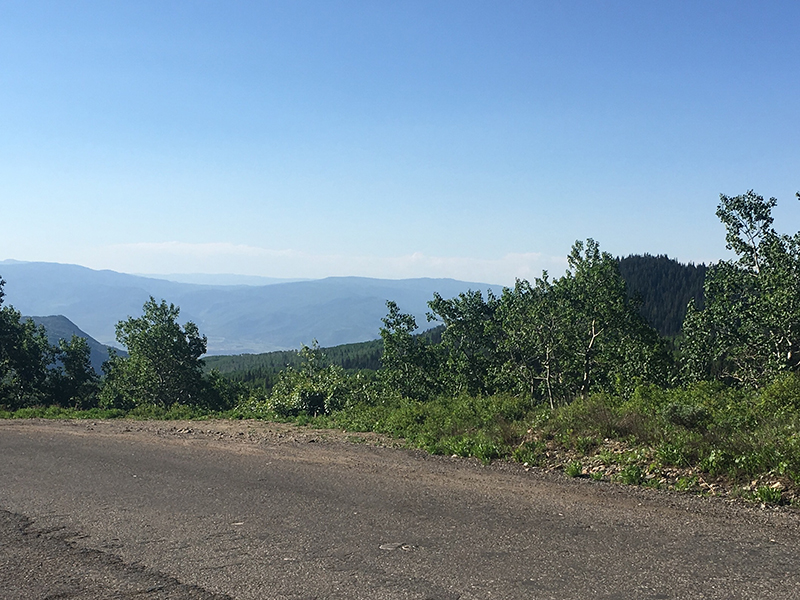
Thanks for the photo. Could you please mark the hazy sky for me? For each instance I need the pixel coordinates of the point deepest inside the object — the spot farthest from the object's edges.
(475, 140)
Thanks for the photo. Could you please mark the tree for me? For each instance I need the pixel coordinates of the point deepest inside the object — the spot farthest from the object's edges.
(24, 358)
(75, 382)
(532, 346)
(609, 340)
(578, 333)
(409, 362)
(749, 330)
(469, 341)
(163, 365)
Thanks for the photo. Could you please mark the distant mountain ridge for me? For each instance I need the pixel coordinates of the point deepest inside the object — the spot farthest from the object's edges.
(281, 316)
(236, 319)
(59, 327)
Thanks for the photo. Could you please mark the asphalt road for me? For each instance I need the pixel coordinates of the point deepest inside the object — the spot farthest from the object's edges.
(238, 510)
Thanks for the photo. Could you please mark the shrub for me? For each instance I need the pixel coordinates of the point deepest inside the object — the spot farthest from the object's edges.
(530, 452)
(631, 475)
(783, 394)
(769, 495)
(690, 416)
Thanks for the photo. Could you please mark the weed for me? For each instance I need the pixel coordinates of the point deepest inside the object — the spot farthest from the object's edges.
(585, 444)
(672, 453)
(653, 483)
(487, 451)
(715, 463)
(531, 452)
(631, 475)
(684, 484)
(574, 469)
(607, 457)
(769, 495)
(690, 416)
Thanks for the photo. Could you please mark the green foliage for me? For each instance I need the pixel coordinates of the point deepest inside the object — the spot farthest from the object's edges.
(163, 366)
(469, 342)
(532, 342)
(482, 427)
(782, 395)
(175, 412)
(75, 382)
(749, 331)
(689, 416)
(220, 394)
(410, 364)
(24, 357)
(529, 452)
(585, 444)
(32, 372)
(58, 412)
(768, 495)
(720, 430)
(163, 363)
(550, 341)
(608, 342)
(686, 483)
(631, 475)
(315, 389)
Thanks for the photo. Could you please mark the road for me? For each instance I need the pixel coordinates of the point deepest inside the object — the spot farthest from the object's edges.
(211, 510)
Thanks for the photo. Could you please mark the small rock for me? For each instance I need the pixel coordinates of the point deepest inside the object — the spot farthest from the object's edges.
(392, 546)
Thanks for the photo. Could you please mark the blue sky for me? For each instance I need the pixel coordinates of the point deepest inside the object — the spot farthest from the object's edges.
(475, 140)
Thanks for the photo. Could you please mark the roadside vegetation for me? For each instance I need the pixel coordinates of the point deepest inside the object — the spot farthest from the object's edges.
(566, 373)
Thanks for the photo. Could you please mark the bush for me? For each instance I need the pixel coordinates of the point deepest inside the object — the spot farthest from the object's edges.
(690, 416)
(631, 475)
(314, 389)
(782, 395)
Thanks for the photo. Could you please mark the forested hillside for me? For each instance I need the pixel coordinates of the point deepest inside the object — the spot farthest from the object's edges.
(664, 286)
(263, 369)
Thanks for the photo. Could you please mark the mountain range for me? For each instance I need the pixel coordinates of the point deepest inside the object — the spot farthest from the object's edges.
(282, 315)
(235, 318)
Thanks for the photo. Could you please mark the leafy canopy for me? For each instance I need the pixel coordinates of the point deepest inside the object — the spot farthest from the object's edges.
(163, 365)
(749, 331)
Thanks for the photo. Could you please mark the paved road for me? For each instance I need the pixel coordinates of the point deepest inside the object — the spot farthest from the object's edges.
(234, 510)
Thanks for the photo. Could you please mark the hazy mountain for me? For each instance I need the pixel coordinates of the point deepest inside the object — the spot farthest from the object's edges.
(236, 319)
(60, 327)
(220, 279)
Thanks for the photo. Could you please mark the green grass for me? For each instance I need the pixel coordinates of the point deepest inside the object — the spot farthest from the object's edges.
(57, 412)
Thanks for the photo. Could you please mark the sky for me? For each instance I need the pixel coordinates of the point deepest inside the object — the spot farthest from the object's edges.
(467, 139)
